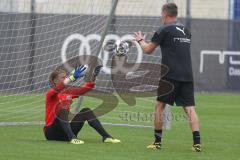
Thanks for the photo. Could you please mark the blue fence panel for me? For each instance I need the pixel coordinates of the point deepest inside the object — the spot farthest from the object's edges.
(236, 10)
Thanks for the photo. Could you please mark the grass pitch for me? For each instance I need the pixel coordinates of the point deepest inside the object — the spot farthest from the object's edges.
(218, 114)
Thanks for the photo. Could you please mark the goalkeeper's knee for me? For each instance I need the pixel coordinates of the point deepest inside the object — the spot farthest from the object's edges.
(87, 114)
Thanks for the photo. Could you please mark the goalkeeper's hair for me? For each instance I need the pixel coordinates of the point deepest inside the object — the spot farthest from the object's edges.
(54, 75)
(171, 9)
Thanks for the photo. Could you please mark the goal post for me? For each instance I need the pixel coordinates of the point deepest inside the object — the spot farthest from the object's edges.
(100, 45)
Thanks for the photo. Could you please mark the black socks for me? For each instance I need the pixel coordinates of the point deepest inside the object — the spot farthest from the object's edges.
(94, 123)
(196, 137)
(158, 135)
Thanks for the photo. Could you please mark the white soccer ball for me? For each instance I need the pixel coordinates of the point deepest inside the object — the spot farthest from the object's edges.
(122, 48)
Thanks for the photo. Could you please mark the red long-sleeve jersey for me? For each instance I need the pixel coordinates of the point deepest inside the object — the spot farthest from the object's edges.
(60, 97)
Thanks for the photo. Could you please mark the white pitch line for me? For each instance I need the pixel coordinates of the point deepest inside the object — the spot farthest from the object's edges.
(41, 123)
(128, 125)
(20, 123)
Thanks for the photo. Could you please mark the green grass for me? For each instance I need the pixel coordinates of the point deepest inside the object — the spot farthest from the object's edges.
(218, 114)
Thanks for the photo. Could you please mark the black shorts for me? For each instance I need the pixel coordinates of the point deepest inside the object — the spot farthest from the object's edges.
(55, 132)
(182, 94)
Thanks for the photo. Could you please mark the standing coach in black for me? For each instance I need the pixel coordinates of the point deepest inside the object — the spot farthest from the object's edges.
(174, 40)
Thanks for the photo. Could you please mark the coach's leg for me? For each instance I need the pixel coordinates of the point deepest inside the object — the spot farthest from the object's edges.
(194, 123)
(158, 120)
(193, 118)
(158, 124)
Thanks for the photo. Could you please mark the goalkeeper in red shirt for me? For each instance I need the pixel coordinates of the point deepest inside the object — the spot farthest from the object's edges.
(58, 101)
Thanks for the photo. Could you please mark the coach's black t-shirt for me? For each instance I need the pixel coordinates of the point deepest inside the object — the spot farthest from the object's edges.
(174, 40)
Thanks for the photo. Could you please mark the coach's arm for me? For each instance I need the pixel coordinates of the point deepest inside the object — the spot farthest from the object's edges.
(148, 47)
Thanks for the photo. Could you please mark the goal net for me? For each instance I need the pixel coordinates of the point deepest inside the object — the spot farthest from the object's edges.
(39, 35)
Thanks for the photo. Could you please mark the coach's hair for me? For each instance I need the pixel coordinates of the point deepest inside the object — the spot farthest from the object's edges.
(54, 75)
(171, 9)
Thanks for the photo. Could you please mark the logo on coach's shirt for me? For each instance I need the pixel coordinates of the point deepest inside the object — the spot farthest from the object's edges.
(182, 40)
(181, 30)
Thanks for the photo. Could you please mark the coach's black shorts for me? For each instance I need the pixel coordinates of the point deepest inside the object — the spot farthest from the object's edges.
(182, 94)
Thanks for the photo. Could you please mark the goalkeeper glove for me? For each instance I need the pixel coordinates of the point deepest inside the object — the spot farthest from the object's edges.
(97, 70)
(78, 72)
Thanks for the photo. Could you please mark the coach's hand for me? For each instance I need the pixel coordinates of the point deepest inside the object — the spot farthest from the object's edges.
(139, 37)
(79, 71)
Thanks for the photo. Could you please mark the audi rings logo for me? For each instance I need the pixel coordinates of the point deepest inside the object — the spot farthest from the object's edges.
(86, 49)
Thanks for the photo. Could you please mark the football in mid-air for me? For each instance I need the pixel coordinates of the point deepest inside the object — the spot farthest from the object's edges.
(119, 48)
(122, 48)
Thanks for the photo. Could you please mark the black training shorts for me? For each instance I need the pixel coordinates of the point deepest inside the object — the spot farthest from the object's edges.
(182, 94)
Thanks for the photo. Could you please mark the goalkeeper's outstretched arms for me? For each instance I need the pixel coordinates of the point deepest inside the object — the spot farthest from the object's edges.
(76, 91)
(59, 80)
